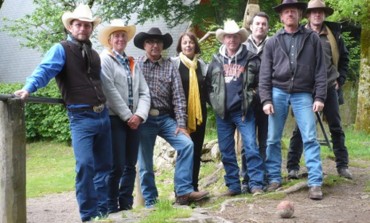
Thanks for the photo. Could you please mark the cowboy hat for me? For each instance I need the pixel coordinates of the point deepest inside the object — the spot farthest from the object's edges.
(82, 13)
(153, 33)
(230, 27)
(319, 4)
(294, 3)
(115, 25)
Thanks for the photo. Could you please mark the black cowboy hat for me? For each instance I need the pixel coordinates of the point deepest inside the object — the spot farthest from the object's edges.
(286, 3)
(153, 33)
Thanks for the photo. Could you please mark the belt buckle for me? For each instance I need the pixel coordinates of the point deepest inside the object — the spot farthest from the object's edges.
(154, 112)
(98, 108)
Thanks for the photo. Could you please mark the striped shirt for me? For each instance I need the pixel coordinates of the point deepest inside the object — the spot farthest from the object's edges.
(165, 86)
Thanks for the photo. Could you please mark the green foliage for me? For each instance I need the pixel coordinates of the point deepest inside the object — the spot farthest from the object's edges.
(43, 121)
(166, 212)
(348, 10)
(43, 27)
(354, 57)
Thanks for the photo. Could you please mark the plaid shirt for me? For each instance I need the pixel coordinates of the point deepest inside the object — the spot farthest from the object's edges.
(165, 86)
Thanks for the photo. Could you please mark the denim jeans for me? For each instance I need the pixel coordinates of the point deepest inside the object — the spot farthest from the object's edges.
(331, 113)
(91, 141)
(121, 180)
(302, 108)
(165, 127)
(261, 131)
(225, 131)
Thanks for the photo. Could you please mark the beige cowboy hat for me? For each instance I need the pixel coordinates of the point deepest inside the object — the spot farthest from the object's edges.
(114, 26)
(285, 3)
(153, 33)
(319, 4)
(82, 13)
(230, 27)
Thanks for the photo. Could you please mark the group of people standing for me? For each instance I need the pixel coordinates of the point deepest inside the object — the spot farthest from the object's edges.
(118, 105)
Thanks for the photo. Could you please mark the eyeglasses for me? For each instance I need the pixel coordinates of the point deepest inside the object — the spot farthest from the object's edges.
(152, 42)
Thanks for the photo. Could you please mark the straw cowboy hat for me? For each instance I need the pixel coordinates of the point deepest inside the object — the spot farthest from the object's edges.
(82, 13)
(153, 33)
(230, 27)
(319, 4)
(115, 25)
(286, 3)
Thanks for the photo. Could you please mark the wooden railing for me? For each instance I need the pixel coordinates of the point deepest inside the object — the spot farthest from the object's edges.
(13, 156)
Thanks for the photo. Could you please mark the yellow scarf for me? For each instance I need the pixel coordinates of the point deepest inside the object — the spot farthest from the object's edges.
(194, 109)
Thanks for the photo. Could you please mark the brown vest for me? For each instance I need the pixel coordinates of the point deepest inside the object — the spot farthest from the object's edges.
(75, 83)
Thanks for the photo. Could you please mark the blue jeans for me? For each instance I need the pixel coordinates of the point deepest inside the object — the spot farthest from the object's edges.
(332, 115)
(225, 131)
(91, 141)
(121, 180)
(165, 127)
(302, 108)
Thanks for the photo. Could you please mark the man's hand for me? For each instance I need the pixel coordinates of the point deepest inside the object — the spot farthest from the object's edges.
(268, 109)
(317, 106)
(178, 130)
(134, 122)
(22, 94)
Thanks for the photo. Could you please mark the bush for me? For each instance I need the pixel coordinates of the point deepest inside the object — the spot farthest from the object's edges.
(43, 121)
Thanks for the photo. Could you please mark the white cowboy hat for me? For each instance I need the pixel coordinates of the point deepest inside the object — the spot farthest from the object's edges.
(115, 25)
(82, 13)
(230, 27)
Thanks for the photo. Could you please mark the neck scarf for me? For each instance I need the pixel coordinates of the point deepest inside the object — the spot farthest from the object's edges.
(85, 48)
(123, 59)
(194, 109)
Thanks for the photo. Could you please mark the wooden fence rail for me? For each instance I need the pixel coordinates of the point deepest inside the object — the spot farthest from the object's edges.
(13, 156)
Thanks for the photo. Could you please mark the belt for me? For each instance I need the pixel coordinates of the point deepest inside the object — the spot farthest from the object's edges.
(157, 112)
(96, 108)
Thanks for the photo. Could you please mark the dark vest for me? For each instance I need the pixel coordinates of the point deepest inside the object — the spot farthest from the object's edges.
(75, 83)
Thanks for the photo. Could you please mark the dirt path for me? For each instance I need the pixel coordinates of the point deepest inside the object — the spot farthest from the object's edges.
(345, 202)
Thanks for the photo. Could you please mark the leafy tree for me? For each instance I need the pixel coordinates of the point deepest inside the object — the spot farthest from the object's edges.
(43, 27)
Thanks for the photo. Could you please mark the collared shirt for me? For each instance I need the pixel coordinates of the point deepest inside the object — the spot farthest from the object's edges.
(51, 65)
(165, 86)
(291, 41)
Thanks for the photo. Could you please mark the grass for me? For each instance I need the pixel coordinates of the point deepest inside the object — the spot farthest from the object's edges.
(49, 168)
(166, 212)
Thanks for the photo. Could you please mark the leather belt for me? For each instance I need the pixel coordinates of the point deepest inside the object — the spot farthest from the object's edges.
(156, 112)
(96, 108)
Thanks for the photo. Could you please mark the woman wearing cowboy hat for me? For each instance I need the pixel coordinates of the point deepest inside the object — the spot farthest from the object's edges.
(128, 100)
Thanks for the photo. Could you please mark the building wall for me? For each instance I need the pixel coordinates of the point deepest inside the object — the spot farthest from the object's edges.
(17, 63)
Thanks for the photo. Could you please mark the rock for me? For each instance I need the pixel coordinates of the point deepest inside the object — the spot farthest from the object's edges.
(285, 209)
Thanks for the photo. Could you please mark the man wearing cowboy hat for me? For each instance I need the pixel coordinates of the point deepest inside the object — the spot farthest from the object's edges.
(76, 68)
(128, 100)
(167, 119)
(292, 68)
(230, 83)
(336, 59)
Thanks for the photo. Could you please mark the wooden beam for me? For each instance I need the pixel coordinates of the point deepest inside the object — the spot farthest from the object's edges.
(12, 162)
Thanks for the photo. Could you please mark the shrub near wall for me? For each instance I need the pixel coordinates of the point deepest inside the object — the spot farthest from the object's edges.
(43, 121)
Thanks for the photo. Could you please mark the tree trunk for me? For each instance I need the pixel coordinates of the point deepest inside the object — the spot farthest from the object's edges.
(363, 102)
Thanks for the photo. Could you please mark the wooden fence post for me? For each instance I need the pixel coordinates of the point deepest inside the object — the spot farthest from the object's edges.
(12, 162)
